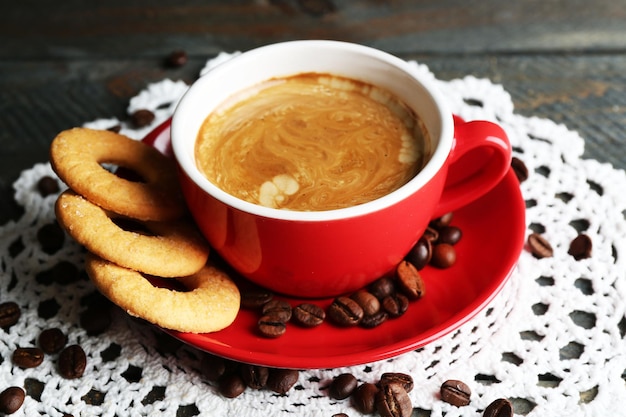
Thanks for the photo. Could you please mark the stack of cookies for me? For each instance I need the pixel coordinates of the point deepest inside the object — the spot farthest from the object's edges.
(135, 226)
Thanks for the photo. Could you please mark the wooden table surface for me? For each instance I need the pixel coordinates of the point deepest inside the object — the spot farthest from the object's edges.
(65, 63)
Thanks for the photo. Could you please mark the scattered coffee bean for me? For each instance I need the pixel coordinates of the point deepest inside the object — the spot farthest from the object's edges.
(455, 392)
(450, 234)
(214, 367)
(27, 357)
(231, 385)
(281, 380)
(308, 315)
(345, 311)
(117, 128)
(410, 281)
(520, 169)
(47, 186)
(364, 398)
(395, 305)
(382, 287)
(11, 399)
(444, 255)
(72, 362)
(539, 246)
(374, 320)
(431, 234)
(51, 238)
(271, 326)
(340, 415)
(254, 376)
(442, 221)
(142, 118)
(253, 299)
(580, 247)
(52, 340)
(499, 408)
(421, 253)
(176, 59)
(368, 302)
(392, 400)
(280, 309)
(405, 380)
(10, 314)
(343, 386)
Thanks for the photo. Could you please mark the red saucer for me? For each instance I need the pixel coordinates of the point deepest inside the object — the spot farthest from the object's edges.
(493, 236)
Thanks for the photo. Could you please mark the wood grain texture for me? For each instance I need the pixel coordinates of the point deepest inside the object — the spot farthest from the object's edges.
(65, 63)
(119, 28)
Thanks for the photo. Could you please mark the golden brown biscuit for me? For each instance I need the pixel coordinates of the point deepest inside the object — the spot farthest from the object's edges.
(171, 249)
(211, 304)
(76, 156)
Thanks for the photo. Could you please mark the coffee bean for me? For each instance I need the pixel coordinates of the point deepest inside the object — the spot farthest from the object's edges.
(539, 246)
(405, 380)
(499, 408)
(431, 234)
(420, 253)
(72, 362)
(142, 118)
(10, 314)
(382, 287)
(392, 400)
(340, 415)
(343, 386)
(117, 128)
(47, 186)
(52, 340)
(345, 311)
(254, 376)
(395, 305)
(368, 302)
(520, 169)
(374, 320)
(279, 309)
(271, 326)
(27, 357)
(213, 367)
(442, 221)
(11, 399)
(450, 234)
(455, 392)
(51, 238)
(231, 385)
(281, 380)
(580, 247)
(410, 281)
(364, 398)
(257, 298)
(176, 59)
(308, 315)
(444, 255)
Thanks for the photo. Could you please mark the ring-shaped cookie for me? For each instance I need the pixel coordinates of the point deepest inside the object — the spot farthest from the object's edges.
(211, 304)
(171, 249)
(77, 156)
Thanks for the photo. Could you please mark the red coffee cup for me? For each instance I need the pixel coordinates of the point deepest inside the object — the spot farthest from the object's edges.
(326, 253)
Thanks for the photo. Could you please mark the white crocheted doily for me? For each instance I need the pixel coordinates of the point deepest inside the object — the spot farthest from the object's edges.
(552, 341)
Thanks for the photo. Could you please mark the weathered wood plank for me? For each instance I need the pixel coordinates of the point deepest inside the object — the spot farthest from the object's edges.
(119, 28)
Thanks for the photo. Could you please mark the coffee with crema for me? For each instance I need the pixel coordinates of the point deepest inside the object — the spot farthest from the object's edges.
(311, 142)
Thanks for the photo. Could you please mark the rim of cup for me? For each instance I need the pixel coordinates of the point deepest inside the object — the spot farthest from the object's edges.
(290, 58)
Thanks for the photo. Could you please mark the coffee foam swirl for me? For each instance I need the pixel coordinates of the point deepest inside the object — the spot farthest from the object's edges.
(311, 142)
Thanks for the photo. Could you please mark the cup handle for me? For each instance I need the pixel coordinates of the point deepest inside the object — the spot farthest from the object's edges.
(480, 158)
